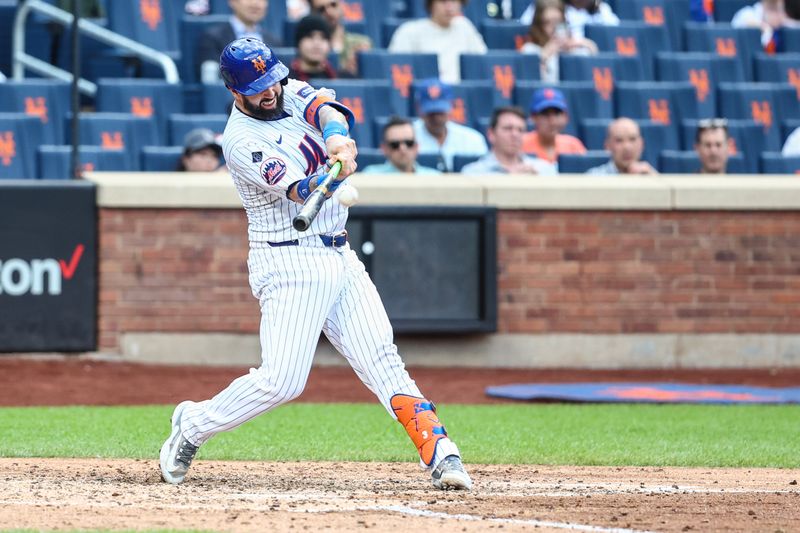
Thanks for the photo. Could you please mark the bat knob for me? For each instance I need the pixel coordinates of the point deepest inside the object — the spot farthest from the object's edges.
(301, 222)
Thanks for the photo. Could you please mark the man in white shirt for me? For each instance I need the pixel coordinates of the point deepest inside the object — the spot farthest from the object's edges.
(792, 145)
(436, 133)
(578, 14)
(446, 33)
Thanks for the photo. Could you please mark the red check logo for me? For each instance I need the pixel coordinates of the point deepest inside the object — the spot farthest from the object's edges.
(68, 269)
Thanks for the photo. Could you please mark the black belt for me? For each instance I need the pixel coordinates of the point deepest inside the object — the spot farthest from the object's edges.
(335, 241)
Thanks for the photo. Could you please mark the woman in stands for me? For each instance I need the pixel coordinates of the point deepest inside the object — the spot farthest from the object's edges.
(579, 13)
(201, 152)
(769, 16)
(549, 37)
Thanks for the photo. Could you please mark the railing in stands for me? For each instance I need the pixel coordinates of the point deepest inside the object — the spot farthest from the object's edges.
(22, 60)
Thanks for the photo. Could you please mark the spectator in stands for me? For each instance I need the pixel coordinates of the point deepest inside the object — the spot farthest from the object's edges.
(506, 128)
(769, 16)
(400, 147)
(550, 116)
(578, 14)
(712, 144)
(792, 145)
(345, 43)
(201, 152)
(445, 32)
(624, 141)
(435, 133)
(245, 22)
(548, 37)
(313, 41)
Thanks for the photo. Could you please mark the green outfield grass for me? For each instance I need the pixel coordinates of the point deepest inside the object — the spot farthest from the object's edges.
(629, 434)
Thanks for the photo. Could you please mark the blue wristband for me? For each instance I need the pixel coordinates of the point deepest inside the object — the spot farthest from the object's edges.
(334, 128)
(333, 186)
(304, 189)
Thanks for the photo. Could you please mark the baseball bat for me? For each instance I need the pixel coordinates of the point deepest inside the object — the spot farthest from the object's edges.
(313, 204)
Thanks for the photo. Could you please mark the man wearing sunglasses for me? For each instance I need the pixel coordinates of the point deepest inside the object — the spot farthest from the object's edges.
(344, 43)
(400, 148)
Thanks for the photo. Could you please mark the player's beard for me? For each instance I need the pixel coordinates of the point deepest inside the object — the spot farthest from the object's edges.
(256, 111)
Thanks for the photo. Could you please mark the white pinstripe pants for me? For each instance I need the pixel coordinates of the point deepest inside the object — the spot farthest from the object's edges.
(303, 290)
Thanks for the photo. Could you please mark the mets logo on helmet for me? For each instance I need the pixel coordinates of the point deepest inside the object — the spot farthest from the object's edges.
(259, 64)
(273, 169)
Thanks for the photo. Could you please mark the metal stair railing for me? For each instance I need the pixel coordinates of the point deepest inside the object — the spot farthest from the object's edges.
(22, 60)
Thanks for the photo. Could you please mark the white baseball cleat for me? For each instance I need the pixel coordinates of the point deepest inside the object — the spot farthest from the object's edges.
(177, 452)
(450, 474)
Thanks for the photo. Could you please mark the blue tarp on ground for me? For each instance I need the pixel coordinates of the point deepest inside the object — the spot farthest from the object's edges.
(645, 393)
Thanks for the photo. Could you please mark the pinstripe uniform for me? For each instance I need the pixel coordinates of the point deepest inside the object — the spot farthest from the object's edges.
(303, 285)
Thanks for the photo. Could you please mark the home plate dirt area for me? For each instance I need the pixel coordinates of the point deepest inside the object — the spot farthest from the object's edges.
(81, 494)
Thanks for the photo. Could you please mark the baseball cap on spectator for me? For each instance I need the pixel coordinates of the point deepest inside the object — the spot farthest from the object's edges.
(547, 98)
(198, 139)
(308, 25)
(433, 96)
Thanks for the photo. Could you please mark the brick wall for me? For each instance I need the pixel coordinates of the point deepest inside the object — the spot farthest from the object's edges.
(184, 270)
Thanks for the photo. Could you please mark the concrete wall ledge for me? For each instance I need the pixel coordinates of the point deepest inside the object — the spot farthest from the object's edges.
(564, 192)
(618, 351)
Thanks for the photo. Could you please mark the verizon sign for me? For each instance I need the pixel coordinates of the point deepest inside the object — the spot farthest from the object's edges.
(48, 285)
(38, 276)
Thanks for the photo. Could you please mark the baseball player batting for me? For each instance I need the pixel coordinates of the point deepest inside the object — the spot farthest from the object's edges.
(280, 138)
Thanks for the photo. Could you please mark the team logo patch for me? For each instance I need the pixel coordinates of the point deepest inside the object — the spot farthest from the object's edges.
(305, 91)
(273, 169)
(257, 156)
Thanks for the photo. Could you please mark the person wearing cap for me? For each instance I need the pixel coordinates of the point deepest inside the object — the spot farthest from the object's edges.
(400, 147)
(313, 41)
(201, 152)
(550, 116)
(436, 133)
(445, 32)
(506, 127)
(346, 44)
(624, 141)
(246, 21)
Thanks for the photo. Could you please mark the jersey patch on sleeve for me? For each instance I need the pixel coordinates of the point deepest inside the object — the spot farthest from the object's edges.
(305, 91)
(273, 170)
(257, 156)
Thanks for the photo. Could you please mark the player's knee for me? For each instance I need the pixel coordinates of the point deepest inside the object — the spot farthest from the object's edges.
(279, 388)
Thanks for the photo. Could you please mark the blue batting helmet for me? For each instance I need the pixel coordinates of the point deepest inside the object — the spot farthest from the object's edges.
(249, 66)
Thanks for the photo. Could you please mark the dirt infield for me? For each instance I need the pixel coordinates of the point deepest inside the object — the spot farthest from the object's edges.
(81, 381)
(237, 497)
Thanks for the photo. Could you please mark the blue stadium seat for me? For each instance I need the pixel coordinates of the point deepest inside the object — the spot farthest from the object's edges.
(687, 162)
(775, 163)
(580, 163)
(367, 99)
(273, 22)
(460, 161)
(764, 103)
(504, 67)
(286, 54)
(668, 13)
(605, 70)
(191, 29)
(20, 135)
(54, 161)
(703, 70)
(503, 34)
(632, 39)
(661, 102)
(389, 25)
(725, 41)
(370, 13)
(161, 158)
(657, 137)
(582, 99)
(518, 7)
(789, 40)
(748, 140)
(151, 99)
(369, 156)
(153, 23)
(401, 70)
(472, 101)
(217, 99)
(48, 100)
(180, 125)
(779, 68)
(114, 131)
(724, 10)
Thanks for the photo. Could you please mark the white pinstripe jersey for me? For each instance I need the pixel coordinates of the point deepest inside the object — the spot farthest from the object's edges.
(264, 157)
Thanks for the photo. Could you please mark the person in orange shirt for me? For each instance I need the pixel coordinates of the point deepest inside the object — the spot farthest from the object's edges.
(550, 116)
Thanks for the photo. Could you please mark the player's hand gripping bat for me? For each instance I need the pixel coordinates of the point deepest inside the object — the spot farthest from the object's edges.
(313, 204)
